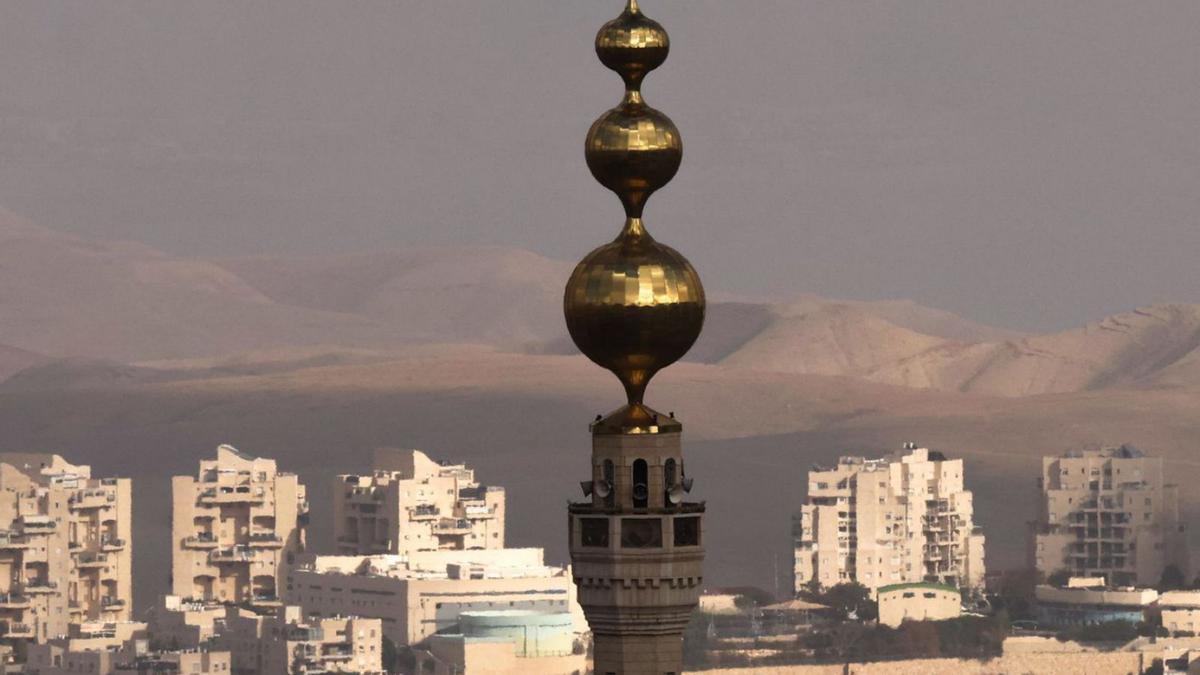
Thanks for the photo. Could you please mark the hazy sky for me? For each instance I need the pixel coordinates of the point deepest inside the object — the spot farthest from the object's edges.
(1029, 164)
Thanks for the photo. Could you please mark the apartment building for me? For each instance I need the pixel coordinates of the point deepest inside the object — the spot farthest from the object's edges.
(904, 518)
(285, 643)
(183, 622)
(411, 503)
(109, 657)
(65, 552)
(425, 592)
(235, 528)
(1108, 512)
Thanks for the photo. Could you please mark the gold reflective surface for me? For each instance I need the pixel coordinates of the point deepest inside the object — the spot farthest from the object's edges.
(633, 150)
(632, 45)
(634, 306)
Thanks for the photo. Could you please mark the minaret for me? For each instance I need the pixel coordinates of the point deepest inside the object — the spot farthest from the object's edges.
(635, 306)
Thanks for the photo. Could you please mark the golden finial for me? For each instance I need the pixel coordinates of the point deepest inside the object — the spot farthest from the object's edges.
(634, 306)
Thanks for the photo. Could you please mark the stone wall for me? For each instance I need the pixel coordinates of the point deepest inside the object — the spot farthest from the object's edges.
(1078, 663)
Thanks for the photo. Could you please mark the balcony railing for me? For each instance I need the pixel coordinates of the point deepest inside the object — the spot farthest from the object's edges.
(236, 554)
(202, 540)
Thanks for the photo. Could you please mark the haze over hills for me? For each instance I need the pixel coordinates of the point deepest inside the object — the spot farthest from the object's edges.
(141, 362)
(74, 298)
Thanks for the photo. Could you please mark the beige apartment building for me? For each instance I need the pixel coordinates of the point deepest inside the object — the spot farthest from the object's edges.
(425, 592)
(285, 643)
(902, 519)
(411, 503)
(65, 552)
(235, 527)
(184, 623)
(1109, 512)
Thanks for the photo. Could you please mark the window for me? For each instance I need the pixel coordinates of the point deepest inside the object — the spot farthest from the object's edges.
(687, 531)
(641, 532)
(593, 532)
(641, 493)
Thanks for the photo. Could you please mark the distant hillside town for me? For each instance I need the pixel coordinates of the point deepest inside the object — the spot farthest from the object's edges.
(889, 568)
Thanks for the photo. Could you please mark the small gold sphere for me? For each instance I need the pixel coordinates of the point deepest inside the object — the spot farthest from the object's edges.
(634, 306)
(633, 150)
(632, 45)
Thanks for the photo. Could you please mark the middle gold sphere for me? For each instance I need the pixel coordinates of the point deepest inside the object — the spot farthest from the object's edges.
(633, 150)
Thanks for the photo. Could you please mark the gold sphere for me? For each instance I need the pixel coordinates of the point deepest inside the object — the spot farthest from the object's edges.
(632, 45)
(633, 150)
(634, 306)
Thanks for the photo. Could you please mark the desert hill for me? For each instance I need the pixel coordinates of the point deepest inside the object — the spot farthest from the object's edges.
(521, 419)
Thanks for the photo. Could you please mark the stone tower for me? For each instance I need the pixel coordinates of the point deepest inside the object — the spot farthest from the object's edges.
(634, 306)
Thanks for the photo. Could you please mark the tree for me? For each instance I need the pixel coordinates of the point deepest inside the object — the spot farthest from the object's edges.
(1059, 578)
(1172, 579)
(849, 599)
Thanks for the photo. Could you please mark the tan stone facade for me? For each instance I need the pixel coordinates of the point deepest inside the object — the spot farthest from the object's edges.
(287, 644)
(184, 623)
(235, 526)
(412, 503)
(420, 594)
(637, 550)
(65, 547)
(901, 519)
(1110, 513)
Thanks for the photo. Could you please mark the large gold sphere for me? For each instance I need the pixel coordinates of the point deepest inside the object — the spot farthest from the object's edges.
(632, 45)
(633, 150)
(634, 306)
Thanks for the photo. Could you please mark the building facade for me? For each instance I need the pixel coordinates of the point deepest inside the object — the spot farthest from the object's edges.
(1085, 605)
(412, 503)
(285, 643)
(1109, 512)
(918, 602)
(65, 547)
(424, 593)
(905, 518)
(506, 641)
(235, 528)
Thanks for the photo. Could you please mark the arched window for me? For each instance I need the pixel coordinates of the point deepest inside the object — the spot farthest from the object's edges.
(669, 480)
(641, 487)
(609, 474)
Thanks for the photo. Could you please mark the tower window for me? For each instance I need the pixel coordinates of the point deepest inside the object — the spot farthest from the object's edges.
(641, 532)
(593, 532)
(641, 492)
(687, 531)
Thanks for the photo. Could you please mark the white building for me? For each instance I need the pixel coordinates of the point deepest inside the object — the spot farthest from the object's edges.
(902, 519)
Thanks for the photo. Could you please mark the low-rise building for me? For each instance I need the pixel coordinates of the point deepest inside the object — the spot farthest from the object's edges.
(1083, 605)
(70, 656)
(1180, 611)
(506, 641)
(411, 503)
(918, 602)
(181, 623)
(288, 644)
(425, 592)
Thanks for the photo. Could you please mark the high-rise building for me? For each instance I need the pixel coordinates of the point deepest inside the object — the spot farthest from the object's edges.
(1108, 512)
(65, 552)
(412, 503)
(635, 306)
(902, 519)
(235, 527)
